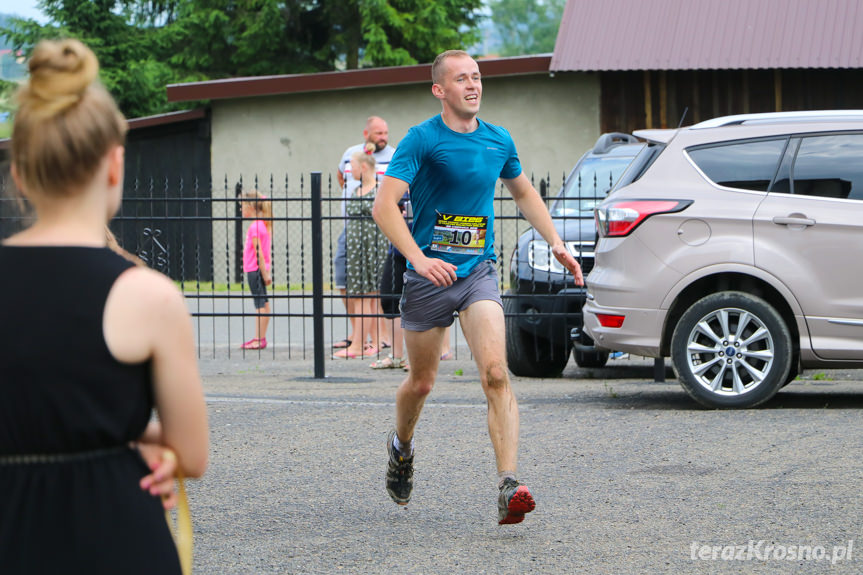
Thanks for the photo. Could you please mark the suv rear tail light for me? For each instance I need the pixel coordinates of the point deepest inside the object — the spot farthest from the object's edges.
(620, 218)
(608, 320)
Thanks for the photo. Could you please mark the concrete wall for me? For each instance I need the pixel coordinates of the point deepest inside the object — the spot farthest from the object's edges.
(552, 119)
(278, 139)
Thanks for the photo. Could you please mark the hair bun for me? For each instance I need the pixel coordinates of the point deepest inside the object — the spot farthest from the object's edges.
(369, 148)
(60, 73)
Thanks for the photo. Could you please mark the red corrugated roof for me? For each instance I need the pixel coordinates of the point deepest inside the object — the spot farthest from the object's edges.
(709, 35)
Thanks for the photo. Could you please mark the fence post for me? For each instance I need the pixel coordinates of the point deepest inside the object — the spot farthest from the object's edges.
(238, 231)
(659, 369)
(317, 276)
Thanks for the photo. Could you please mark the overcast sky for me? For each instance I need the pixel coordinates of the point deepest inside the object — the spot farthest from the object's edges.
(23, 8)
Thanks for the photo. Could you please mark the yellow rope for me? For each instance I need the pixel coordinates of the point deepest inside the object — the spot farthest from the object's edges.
(182, 530)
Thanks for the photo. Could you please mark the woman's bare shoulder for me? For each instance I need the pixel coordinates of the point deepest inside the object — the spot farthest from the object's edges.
(142, 306)
(152, 293)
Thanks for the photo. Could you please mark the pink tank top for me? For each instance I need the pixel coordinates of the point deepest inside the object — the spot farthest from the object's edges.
(250, 259)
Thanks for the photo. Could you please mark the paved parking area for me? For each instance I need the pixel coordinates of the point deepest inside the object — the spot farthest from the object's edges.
(630, 476)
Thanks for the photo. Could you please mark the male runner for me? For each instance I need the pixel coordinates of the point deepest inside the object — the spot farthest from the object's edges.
(451, 163)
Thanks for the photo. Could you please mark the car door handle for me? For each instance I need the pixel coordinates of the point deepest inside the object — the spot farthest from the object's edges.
(792, 221)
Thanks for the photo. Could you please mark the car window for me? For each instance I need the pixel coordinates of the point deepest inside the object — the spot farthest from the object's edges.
(746, 165)
(782, 184)
(829, 167)
(640, 164)
(587, 187)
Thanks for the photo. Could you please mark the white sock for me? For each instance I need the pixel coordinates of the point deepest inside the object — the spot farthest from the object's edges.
(503, 475)
(406, 449)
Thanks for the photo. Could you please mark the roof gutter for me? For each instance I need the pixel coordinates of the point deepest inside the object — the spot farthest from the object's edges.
(343, 80)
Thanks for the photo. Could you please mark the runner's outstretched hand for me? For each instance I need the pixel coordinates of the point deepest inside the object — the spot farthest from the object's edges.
(566, 260)
(437, 271)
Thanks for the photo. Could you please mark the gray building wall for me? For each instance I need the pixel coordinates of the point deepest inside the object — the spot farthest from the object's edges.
(278, 139)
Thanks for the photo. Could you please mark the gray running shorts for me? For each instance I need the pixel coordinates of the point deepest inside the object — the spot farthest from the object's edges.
(340, 263)
(258, 288)
(425, 305)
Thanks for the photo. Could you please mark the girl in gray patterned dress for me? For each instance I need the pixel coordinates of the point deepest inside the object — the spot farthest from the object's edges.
(366, 252)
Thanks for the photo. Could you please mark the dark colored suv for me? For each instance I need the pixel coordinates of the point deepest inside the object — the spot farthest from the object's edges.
(543, 304)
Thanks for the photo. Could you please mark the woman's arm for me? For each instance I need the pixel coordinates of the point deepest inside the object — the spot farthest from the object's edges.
(177, 383)
(146, 318)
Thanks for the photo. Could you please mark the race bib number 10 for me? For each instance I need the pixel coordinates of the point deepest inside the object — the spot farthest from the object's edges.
(459, 234)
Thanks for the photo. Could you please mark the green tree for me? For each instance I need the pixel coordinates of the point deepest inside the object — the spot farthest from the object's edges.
(220, 38)
(229, 38)
(7, 91)
(402, 32)
(527, 26)
(128, 54)
(143, 45)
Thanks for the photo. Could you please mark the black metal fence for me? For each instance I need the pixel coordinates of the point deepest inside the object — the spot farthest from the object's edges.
(193, 232)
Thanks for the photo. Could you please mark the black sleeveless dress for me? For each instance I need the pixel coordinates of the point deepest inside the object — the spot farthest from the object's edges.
(69, 495)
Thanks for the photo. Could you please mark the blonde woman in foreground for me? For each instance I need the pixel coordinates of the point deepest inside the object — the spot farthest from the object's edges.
(89, 345)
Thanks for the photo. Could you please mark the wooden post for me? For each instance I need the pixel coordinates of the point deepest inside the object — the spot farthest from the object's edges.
(715, 93)
(663, 100)
(777, 89)
(696, 96)
(648, 101)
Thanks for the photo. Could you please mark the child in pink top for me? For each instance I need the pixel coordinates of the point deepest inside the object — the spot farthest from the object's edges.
(256, 261)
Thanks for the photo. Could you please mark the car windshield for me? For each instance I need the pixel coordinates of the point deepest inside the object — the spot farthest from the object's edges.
(585, 189)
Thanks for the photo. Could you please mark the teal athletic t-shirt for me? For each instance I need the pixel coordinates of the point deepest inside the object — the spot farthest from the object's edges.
(452, 178)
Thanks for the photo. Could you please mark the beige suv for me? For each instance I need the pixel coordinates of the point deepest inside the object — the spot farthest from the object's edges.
(735, 246)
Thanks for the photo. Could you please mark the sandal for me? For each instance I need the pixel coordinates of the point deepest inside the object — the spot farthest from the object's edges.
(388, 362)
(370, 350)
(447, 356)
(255, 343)
(343, 343)
(345, 354)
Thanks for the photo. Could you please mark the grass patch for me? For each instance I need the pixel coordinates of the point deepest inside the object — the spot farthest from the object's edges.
(193, 286)
(218, 287)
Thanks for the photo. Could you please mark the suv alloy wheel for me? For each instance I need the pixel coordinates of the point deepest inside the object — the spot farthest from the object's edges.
(731, 349)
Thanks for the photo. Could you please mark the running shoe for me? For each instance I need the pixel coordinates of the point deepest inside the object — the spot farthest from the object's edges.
(400, 473)
(513, 502)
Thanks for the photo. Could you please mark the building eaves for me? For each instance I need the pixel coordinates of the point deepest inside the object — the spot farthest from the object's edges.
(145, 122)
(168, 118)
(326, 81)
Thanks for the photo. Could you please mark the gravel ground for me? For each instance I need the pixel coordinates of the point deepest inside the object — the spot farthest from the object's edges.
(630, 476)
